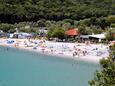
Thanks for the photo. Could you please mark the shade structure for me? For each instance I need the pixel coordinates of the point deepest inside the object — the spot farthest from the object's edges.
(72, 32)
(99, 36)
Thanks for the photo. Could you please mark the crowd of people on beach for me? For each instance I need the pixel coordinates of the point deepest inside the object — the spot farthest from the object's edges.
(60, 48)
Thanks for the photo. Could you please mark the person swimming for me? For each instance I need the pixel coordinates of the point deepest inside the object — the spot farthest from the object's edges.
(7, 49)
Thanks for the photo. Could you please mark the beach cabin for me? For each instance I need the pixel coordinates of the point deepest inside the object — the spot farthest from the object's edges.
(72, 32)
(97, 37)
(42, 32)
(84, 38)
(2, 34)
(22, 35)
(92, 38)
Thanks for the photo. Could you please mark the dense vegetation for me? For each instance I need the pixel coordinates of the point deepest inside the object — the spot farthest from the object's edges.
(88, 16)
(110, 35)
(12, 11)
(106, 76)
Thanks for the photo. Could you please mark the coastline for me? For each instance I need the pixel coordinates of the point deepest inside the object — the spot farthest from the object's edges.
(87, 58)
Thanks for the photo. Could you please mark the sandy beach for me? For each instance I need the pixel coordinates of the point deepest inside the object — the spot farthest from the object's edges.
(91, 52)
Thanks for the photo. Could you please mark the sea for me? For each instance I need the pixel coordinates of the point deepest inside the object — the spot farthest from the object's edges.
(24, 68)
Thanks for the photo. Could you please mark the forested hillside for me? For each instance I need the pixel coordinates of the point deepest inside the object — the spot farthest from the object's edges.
(12, 11)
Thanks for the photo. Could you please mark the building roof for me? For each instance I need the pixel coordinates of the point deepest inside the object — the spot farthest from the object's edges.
(99, 36)
(72, 32)
(84, 36)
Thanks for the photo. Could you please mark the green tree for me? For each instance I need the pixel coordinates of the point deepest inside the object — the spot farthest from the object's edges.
(56, 33)
(105, 76)
(96, 29)
(12, 11)
(59, 33)
(110, 34)
(7, 27)
(111, 18)
(83, 30)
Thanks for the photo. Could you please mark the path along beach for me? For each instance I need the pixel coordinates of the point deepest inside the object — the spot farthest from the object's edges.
(82, 51)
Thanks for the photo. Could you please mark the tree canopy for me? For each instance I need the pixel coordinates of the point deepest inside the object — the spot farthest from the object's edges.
(110, 34)
(12, 11)
(106, 76)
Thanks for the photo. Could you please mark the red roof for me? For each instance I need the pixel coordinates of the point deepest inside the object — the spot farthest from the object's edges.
(72, 32)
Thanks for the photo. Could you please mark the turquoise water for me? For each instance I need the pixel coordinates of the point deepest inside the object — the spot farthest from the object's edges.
(22, 68)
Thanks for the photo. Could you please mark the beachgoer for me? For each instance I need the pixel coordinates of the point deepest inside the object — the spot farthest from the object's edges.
(51, 51)
(83, 53)
(7, 49)
(75, 53)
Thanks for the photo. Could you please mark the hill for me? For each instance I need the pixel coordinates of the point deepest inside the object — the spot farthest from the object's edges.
(12, 11)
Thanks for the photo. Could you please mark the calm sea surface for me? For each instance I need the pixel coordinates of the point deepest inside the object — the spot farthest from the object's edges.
(23, 68)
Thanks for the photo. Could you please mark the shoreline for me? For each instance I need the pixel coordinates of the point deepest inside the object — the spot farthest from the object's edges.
(92, 59)
(56, 55)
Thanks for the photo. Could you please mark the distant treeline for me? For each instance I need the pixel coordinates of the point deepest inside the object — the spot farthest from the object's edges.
(12, 11)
